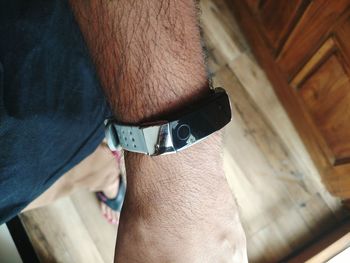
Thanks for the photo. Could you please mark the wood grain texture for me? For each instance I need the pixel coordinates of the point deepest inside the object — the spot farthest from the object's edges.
(329, 46)
(267, 184)
(326, 144)
(326, 247)
(315, 25)
(277, 19)
(71, 230)
(327, 97)
(254, 4)
(223, 39)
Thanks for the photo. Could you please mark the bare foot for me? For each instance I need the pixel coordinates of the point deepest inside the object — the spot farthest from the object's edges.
(110, 192)
(111, 189)
(100, 172)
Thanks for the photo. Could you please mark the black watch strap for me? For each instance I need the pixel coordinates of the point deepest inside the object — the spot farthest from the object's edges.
(174, 134)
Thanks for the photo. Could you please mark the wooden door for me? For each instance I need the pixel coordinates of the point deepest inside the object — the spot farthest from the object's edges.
(304, 48)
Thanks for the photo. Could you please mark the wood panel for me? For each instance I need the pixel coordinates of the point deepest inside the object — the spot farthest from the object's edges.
(323, 84)
(341, 36)
(326, 94)
(314, 27)
(328, 47)
(278, 17)
(254, 4)
(325, 142)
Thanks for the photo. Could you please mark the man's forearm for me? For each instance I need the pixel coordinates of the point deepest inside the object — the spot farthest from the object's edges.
(149, 59)
(147, 54)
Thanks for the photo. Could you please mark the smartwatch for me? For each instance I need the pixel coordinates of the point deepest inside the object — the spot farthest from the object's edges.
(174, 133)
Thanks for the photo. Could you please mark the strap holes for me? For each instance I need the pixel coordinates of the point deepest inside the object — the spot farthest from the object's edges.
(133, 139)
(134, 145)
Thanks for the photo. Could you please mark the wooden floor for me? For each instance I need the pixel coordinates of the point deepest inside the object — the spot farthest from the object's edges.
(281, 199)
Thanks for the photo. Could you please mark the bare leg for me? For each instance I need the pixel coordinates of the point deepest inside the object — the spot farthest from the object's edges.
(98, 172)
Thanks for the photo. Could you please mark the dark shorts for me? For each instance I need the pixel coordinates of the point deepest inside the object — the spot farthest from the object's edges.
(51, 105)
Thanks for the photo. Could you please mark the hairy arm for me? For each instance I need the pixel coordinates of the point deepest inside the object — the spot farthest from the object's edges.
(149, 59)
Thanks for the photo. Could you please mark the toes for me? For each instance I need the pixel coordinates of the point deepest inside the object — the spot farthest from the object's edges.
(103, 209)
(111, 216)
(115, 219)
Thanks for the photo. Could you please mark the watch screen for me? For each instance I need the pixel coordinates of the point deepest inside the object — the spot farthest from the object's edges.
(210, 116)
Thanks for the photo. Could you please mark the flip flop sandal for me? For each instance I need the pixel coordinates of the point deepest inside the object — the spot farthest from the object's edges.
(115, 203)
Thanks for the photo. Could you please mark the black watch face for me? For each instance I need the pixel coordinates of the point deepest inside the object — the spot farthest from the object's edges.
(210, 116)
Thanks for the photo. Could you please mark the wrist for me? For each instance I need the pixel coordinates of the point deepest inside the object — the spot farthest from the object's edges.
(173, 177)
(167, 194)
